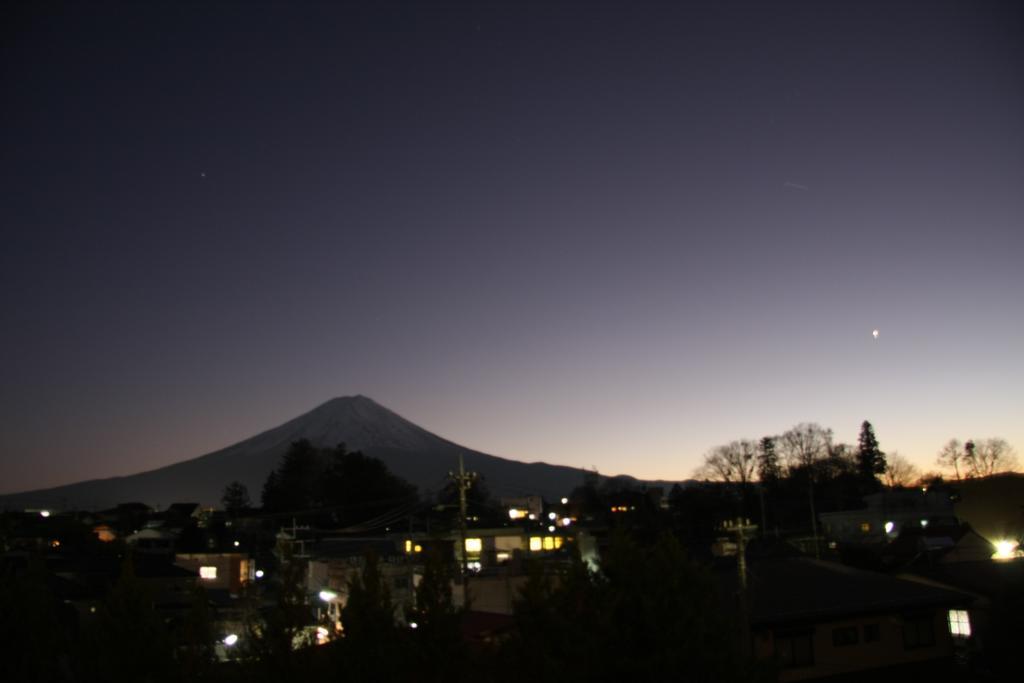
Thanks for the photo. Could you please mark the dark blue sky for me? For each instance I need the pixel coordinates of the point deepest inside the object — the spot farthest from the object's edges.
(597, 234)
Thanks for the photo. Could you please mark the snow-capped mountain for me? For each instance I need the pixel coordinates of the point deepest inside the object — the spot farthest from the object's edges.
(411, 452)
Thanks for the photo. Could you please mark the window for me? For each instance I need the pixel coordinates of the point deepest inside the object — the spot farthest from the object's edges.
(871, 633)
(959, 623)
(918, 632)
(535, 543)
(474, 545)
(795, 649)
(846, 635)
(207, 572)
(865, 527)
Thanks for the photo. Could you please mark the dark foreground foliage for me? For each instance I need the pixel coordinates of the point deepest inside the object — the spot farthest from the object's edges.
(648, 612)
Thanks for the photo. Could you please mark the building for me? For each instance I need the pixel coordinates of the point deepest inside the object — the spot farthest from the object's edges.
(822, 620)
(887, 514)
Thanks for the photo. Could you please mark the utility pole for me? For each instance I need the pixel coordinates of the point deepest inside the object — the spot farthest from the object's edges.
(463, 480)
(742, 528)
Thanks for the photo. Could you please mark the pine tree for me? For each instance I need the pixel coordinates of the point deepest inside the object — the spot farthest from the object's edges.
(768, 470)
(235, 498)
(870, 459)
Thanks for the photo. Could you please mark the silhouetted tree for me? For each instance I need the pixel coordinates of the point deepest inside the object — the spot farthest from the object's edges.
(197, 656)
(735, 462)
(35, 628)
(612, 626)
(870, 458)
(439, 650)
(235, 498)
(988, 457)
(271, 635)
(295, 484)
(357, 484)
(951, 456)
(372, 650)
(129, 642)
(768, 470)
(899, 471)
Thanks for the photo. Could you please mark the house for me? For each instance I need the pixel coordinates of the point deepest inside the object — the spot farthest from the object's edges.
(821, 620)
(229, 571)
(888, 513)
(995, 619)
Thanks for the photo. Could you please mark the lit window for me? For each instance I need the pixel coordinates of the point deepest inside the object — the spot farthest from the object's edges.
(549, 543)
(558, 542)
(207, 572)
(535, 543)
(408, 546)
(515, 513)
(502, 557)
(959, 623)
(865, 527)
(474, 545)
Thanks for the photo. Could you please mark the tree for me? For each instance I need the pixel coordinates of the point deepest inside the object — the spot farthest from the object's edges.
(951, 457)
(273, 632)
(235, 498)
(357, 484)
(768, 470)
(129, 641)
(870, 458)
(988, 457)
(899, 472)
(368, 616)
(372, 647)
(438, 644)
(295, 484)
(610, 625)
(735, 462)
(804, 446)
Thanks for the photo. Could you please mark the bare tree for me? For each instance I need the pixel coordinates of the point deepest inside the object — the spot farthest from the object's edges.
(988, 457)
(734, 462)
(951, 457)
(805, 445)
(899, 472)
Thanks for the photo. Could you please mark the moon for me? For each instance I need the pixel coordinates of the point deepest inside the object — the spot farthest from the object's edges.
(874, 333)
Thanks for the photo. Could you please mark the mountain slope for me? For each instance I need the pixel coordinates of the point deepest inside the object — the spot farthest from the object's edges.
(359, 422)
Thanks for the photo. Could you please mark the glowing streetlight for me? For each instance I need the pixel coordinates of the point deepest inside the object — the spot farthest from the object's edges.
(327, 595)
(1005, 550)
(230, 639)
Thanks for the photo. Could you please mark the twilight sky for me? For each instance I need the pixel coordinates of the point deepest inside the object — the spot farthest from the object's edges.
(606, 235)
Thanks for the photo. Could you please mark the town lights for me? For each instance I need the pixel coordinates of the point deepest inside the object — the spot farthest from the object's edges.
(230, 639)
(327, 595)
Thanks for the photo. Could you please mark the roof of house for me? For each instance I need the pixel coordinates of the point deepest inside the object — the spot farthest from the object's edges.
(990, 578)
(803, 589)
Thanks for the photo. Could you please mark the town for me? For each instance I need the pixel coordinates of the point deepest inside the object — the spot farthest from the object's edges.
(343, 570)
